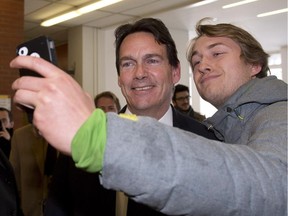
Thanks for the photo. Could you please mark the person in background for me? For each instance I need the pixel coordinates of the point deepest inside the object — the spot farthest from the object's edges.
(148, 68)
(33, 165)
(6, 130)
(107, 101)
(181, 102)
(171, 170)
(76, 192)
(9, 197)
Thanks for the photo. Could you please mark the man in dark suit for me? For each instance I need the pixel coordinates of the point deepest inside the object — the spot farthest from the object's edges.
(148, 68)
(9, 199)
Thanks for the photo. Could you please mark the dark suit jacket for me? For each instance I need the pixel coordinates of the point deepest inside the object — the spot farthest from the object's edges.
(5, 145)
(76, 192)
(183, 122)
(9, 199)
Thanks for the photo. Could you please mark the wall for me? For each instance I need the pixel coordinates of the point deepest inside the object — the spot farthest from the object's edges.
(11, 34)
(62, 56)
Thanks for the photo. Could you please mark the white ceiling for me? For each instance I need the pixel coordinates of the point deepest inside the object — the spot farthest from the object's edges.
(270, 31)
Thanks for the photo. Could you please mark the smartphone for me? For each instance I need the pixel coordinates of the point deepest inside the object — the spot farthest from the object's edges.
(42, 46)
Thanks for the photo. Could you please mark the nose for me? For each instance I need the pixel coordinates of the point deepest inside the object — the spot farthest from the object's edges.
(140, 72)
(204, 66)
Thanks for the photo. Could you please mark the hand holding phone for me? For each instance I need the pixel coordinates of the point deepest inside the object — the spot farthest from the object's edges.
(43, 47)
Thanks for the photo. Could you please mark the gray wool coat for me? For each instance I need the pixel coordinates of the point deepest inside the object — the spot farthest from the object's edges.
(180, 173)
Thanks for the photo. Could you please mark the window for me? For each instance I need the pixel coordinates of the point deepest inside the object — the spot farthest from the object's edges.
(274, 63)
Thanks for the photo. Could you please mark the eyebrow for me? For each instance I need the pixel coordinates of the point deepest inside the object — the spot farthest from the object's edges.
(209, 47)
(126, 58)
(152, 55)
(146, 56)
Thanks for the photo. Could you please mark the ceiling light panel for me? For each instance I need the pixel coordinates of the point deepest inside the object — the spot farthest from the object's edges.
(238, 3)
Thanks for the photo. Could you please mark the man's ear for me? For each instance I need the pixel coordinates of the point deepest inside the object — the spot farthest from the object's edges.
(119, 82)
(176, 73)
(255, 70)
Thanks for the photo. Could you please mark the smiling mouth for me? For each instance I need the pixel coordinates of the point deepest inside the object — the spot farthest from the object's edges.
(205, 79)
(144, 88)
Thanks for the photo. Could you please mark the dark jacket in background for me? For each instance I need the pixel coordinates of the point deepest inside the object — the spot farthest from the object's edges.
(9, 198)
(74, 192)
(5, 145)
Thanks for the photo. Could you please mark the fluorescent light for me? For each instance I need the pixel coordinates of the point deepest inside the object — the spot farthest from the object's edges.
(60, 18)
(202, 3)
(78, 12)
(97, 5)
(273, 12)
(238, 3)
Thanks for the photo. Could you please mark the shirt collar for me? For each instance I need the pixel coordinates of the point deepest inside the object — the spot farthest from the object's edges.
(165, 119)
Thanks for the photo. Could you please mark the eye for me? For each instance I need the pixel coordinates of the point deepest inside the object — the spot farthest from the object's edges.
(152, 61)
(23, 51)
(195, 60)
(195, 63)
(217, 53)
(126, 64)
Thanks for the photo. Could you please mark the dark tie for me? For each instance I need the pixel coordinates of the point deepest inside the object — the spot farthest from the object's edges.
(50, 161)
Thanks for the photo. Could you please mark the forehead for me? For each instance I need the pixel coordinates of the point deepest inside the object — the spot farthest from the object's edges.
(143, 42)
(182, 93)
(4, 114)
(207, 43)
(105, 100)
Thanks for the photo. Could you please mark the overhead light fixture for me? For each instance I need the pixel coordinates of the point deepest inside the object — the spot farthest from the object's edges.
(238, 3)
(273, 12)
(202, 3)
(78, 12)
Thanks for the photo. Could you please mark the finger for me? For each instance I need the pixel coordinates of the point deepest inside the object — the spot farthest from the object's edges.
(25, 98)
(39, 65)
(28, 83)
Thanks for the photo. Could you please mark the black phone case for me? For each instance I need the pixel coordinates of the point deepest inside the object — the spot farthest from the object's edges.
(42, 46)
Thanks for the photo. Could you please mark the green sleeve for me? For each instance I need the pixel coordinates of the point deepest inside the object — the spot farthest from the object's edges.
(88, 145)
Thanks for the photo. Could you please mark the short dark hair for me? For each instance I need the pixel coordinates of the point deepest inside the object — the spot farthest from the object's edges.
(179, 88)
(9, 113)
(154, 26)
(251, 50)
(108, 94)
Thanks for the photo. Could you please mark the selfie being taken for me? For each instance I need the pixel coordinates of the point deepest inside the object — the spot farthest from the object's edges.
(132, 108)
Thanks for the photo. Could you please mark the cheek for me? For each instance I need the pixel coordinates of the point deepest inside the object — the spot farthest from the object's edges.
(122, 81)
(166, 77)
(196, 77)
